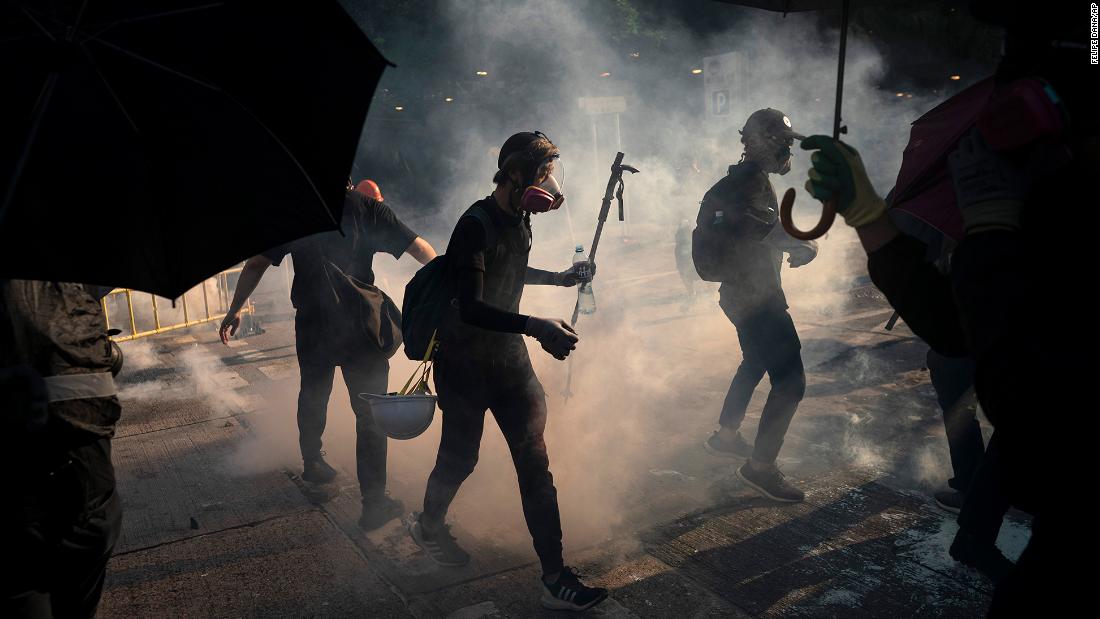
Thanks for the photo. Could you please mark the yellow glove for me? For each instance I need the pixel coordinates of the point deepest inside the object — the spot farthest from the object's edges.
(838, 173)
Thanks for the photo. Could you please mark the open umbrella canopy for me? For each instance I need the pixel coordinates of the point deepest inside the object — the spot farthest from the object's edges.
(923, 187)
(149, 144)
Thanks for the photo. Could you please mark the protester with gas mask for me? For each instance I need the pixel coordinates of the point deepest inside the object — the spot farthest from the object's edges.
(321, 264)
(737, 220)
(482, 362)
(61, 516)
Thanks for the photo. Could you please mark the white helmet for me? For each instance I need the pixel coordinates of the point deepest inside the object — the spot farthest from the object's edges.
(402, 416)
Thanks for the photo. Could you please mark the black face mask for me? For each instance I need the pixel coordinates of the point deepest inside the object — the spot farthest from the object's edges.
(783, 160)
(772, 154)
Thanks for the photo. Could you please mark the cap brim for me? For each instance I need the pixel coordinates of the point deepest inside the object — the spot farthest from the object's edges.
(792, 134)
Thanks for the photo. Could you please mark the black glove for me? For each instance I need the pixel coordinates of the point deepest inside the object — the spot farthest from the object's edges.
(579, 273)
(555, 335)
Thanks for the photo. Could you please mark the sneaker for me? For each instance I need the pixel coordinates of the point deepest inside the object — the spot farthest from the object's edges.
(440, 544)
(378, 513)
(736, 448)
(950, 500)
(317, 471)
(770, 483)
(981, 555)
(569, 593)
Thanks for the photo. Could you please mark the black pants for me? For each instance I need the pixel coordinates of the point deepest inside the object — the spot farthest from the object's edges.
(365, 371)
(59, 531)
(989, 495)
(952, 377)
(769, 345)
(978, 470)
(512, 392)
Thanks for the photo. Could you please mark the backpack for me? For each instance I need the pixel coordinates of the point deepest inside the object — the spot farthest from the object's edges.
(430, 292)
(711, 245)
(366, 314)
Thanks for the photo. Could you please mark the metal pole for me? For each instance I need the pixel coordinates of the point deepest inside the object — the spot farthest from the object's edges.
(156, 313)
(618, 133)
(130, 306)
(840, 69)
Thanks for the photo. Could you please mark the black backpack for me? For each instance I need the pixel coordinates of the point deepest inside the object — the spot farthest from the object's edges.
(430, 292)
(711, 245)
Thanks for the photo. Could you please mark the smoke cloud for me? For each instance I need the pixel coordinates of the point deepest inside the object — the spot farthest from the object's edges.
(651, 370)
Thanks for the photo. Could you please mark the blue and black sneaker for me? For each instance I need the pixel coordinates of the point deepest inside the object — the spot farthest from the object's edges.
(569, 593)
(440, 545)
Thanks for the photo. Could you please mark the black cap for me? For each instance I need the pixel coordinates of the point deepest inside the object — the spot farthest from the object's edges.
(515, 144)
(770, 121)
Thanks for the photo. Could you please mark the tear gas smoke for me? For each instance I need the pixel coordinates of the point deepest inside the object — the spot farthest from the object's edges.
(648, 375)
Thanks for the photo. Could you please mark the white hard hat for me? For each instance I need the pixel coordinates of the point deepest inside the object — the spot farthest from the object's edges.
(402, 416)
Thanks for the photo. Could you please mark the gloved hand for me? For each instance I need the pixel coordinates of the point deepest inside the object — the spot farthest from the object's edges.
(555, 335)
(838, 173)
(989, 188)
(801, 254)
(579, 273)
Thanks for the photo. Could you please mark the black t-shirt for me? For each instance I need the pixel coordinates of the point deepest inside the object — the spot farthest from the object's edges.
(750, 210)
(369, 227)
(489, 280)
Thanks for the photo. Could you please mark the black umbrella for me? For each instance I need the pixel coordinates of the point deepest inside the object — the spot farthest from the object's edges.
(149, 144)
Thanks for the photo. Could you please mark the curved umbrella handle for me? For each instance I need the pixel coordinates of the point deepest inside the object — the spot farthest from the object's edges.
(828, 214)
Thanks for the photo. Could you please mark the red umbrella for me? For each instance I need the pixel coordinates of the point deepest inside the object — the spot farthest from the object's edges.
(923, 188)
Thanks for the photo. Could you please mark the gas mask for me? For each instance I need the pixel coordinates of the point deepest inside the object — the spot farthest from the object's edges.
(547, 195)
(773, 153)
(783, 157)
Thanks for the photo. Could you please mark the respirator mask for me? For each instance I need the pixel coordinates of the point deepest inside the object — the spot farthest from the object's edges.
(773, 153)
(546, 195)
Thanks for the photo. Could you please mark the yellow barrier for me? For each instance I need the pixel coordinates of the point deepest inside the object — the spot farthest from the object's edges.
(222, 282)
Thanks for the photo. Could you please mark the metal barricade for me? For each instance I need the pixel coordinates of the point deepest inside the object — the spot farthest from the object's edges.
(221, 280)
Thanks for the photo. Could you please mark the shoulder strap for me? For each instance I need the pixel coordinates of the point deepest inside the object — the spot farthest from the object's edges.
(479, 213)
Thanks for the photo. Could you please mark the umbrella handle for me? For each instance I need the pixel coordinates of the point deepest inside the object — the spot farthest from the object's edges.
(828, 215)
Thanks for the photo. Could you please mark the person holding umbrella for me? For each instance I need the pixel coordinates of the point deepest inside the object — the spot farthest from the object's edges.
(482, 363)
(369, 227)
(1029, 149)
(741, 208)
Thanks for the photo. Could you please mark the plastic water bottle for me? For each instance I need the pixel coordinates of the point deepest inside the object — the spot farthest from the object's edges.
(586, 300)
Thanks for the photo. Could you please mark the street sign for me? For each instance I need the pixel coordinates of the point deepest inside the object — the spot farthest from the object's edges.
(602, 105)
(726, 86)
